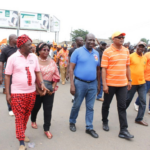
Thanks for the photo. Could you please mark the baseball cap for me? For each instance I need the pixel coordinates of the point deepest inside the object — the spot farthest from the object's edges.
(103, 43)
(117, 34)
(142, 43)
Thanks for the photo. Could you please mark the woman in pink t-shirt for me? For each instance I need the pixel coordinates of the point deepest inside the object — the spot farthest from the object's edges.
(50, 74)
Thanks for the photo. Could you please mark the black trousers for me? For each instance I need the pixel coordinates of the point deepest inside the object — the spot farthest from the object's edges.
(121, 94)
(47, 101)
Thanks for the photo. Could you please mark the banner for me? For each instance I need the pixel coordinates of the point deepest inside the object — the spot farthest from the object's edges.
(8, 19)
(34, 21)
(54, 24)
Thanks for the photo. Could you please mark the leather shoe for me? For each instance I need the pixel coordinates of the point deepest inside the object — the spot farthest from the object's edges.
(125, 135)
(142, 123)
(92, 133)
(72, 127)
(105, 127)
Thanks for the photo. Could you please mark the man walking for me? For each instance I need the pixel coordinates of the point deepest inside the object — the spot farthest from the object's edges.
(137, 67)
(79, 43)
(24, 68)
(101, 49)
(115, 72)
(62, 57)
(85, 65)
(147, 79)
(6, 53)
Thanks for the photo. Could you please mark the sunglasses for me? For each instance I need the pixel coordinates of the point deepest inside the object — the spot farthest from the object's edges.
(120, 37)
(44, 49)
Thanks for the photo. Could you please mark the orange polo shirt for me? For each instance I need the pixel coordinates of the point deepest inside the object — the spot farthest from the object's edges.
(137, 67)
(147, 70)
(116, 62)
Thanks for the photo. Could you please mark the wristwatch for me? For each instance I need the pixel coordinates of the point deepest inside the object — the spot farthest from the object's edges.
(130, 80)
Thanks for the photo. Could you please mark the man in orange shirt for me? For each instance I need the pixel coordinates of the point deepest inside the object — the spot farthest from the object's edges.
(147, 78)
(137, 67)
(115, 72)
(62, 57)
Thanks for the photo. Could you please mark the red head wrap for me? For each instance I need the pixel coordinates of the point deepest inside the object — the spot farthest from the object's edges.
(22, 40)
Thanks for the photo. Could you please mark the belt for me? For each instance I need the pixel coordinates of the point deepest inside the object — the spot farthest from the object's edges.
(83, 80)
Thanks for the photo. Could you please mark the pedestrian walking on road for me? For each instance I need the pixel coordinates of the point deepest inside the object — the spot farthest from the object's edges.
(137, 66)
(85, 66)
(6, 53)
(50, 76)
(101, 49)
(115, 72)
(24, 68)
(62, 57)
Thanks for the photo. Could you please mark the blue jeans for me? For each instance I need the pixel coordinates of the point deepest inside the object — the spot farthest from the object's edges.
(101, 91)
(141, 89)
(87, 91)
(147, 89)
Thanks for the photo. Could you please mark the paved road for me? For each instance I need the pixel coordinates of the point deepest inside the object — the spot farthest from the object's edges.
(64, 139)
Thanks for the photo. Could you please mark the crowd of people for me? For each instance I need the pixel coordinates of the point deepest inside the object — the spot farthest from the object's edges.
(94, 72)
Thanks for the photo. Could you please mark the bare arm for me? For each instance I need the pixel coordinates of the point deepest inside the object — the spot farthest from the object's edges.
(105, 87)
(67, 75)
(98, 79)
(71, 70)
(1, 72)
(7, 84)
(128, 73)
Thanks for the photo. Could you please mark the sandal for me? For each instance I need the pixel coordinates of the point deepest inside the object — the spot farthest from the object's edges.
(48, 134)
(34, 125)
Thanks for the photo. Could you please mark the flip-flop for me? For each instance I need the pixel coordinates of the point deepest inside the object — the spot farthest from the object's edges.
(48, 134)
(34, 125)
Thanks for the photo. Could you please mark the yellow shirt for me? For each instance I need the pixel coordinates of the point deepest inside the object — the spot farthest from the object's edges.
(137, 67)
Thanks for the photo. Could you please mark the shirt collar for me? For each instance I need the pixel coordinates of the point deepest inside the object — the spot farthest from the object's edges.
(115, 49)
(88, 50)
(12, 46)
(20, 55)
(137, 54)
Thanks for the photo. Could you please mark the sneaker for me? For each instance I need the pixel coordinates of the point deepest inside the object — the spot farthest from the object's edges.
(136, 107)
(100, 99)
(11, 113)
(149, 112)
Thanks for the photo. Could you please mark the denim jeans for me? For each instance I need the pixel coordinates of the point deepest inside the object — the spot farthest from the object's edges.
(101, 91)
(87, 91)
(147, 89)
(141, 89)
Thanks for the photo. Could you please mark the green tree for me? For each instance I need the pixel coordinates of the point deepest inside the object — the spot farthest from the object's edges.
(145, 40)
(79, 32)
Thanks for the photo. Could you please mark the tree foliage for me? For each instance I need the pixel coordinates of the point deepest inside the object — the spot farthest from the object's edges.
(145, 40)
(79, 32)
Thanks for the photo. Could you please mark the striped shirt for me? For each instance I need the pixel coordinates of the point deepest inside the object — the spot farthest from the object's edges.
(115, 61)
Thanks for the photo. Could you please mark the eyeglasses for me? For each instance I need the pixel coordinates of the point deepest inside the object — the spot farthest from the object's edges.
(120, 37)
(44, 49)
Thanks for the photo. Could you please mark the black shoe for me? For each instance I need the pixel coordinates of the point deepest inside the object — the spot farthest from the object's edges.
(105, 127)
(125, 135)
(72, 127)
(92, 133)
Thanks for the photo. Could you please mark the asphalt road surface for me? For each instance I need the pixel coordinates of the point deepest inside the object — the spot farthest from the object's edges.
(64, 139)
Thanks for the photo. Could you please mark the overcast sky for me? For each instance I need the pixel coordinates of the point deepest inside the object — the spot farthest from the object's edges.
(101, 18)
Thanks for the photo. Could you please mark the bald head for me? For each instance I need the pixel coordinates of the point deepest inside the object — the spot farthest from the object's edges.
(12, 39)
(79, 41)
(90, 41)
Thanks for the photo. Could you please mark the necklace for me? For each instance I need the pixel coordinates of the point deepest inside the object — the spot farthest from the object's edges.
(43, 59)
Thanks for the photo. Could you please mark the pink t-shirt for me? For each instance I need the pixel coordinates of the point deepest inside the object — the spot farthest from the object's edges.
(23, 72)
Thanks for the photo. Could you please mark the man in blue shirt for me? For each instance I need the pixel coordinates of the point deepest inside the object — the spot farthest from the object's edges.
(85, 65)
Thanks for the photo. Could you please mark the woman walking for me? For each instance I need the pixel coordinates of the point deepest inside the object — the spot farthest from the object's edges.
(50, 76)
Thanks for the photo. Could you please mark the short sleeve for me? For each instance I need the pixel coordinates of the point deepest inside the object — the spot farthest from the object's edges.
(59, 54)
(105, 58)
(98, 60)
(74, 57)
(3, 57)
(9, 66)
(37, 66)
(128, 59)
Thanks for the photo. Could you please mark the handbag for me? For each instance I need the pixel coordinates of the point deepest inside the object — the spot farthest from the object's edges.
(48, 85)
